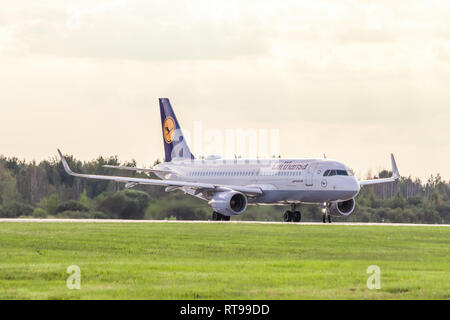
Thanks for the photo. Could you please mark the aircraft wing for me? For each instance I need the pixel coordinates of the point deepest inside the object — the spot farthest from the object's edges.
(395, 175)
(168, 183)
(138, 169)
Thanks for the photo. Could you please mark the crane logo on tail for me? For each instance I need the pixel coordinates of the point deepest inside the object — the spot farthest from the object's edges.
(169, 129)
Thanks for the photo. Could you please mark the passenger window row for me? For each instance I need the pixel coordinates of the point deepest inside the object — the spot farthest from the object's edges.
(221, 173)
(280, 173)
(243, 173)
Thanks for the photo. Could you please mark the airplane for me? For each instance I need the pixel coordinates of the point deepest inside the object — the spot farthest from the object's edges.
(230, 186)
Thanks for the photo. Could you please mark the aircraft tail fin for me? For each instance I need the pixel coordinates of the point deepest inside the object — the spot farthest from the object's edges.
(175, 144)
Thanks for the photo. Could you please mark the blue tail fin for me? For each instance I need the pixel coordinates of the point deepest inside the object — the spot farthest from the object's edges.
(175, 145)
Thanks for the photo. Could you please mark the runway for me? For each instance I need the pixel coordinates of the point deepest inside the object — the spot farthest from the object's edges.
(18, 220)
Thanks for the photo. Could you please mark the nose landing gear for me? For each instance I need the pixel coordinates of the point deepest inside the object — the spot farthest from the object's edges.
(292, 215)
(326, 213)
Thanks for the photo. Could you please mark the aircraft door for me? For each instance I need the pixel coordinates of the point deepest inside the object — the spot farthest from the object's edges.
(310, 175)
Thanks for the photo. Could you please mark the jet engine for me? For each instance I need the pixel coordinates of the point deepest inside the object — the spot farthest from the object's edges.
(229, 203)
(343, 208)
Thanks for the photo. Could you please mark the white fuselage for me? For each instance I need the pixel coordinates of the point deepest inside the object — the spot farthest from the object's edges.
(282, 180)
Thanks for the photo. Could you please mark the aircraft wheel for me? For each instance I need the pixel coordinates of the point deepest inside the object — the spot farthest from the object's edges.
(216, 216)
(226, 218)
(329, 218)
(287, 217)
(324, 218)
(297, 216)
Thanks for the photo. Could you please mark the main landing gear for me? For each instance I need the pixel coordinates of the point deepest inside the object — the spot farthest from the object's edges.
(216, 216)
(326, 213)
(292, 215)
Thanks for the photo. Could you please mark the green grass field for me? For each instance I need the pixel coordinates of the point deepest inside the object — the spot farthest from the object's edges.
(222, 261)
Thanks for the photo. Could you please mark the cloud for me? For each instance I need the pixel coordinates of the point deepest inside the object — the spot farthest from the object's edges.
(136, 32)
(212, 30)
(150, 41)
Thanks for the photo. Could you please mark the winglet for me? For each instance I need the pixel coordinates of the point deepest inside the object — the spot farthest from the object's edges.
(65, 164)
(395, 173)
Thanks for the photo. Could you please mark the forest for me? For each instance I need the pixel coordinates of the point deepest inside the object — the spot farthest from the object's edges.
(44, 190)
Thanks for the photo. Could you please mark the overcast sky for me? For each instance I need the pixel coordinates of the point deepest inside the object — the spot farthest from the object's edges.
(353, 79)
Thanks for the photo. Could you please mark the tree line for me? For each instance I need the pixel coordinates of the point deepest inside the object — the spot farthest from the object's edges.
(41, 190)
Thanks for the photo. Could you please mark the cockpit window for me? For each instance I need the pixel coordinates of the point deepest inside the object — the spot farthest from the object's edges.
(331, 172)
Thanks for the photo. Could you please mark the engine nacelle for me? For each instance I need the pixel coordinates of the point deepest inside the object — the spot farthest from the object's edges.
(229, 203)
(343, 208)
